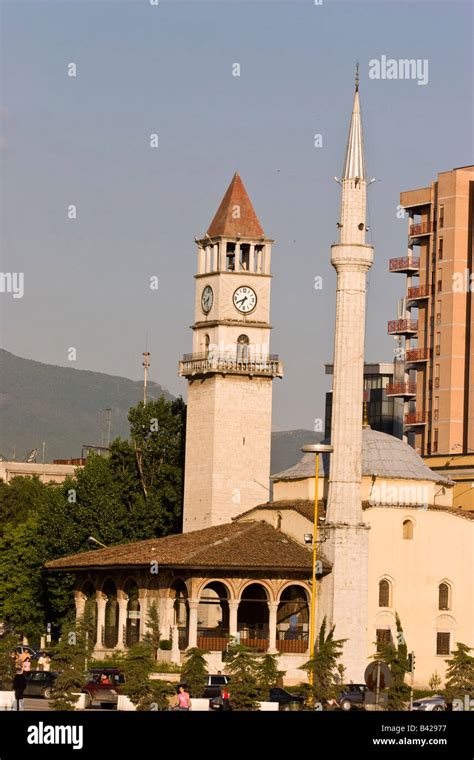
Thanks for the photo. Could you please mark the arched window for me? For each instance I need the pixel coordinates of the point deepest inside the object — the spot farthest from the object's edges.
(243, 348)
(443, 596)
(384, 593)
(407, 529)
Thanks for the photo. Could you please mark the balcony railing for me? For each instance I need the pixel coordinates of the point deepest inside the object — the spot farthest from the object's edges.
(402, 326)
(418, 355)
(405, 264)
(419, 291)
(232, 363)
(401, 389)
(415, 418)
(422, 228)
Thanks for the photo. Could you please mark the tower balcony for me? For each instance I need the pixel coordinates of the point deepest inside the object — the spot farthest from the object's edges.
(418, 292)
(413, 419)
(416, 355)
(405, 265)
(402, 390)
(422, 228)
(403, 327)
(253, 365)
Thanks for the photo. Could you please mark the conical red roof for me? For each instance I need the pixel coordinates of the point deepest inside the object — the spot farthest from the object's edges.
(236, 215)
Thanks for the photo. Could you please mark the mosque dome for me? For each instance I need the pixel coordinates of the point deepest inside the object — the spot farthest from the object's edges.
(383, 456)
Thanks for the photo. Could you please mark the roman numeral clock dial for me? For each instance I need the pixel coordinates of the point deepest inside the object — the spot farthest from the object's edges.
(244, 299)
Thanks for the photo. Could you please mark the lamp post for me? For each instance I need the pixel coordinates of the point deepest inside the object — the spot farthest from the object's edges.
(314, 448)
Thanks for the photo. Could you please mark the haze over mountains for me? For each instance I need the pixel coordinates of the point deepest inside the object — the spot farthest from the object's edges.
(65, 408)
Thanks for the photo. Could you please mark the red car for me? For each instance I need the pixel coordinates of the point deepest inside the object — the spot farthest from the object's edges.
(103, 687)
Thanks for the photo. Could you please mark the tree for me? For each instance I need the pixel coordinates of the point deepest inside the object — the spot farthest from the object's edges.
(243, 669)
(459, 673)
(153, 635)
(194, 671)
(7, 661)
(323, 669)
(138, 664)
(268, 674)
(18, 498)
(396, 657)
(71, 655)
(434, 681)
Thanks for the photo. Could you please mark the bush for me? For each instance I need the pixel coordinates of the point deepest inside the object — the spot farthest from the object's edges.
(162, 666)
(166, 644)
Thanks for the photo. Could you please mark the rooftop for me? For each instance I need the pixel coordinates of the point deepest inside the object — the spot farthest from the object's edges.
(235, 215)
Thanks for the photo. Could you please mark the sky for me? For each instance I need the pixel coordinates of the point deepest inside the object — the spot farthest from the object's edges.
(167, 69)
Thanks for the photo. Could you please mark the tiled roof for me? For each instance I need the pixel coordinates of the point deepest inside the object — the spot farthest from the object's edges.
(235, 545)
(382, 455)
(236, 215)
(304, 507)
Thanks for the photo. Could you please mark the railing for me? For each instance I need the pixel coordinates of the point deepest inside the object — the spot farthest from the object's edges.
(404, 263)
(110, 636)
(422, 228)
(415, 418)
(419, 291)
(254, 364)
(401, 389)
(288, 646)
(418, 355)
(402, 326)
(182, 638)
(213, 639)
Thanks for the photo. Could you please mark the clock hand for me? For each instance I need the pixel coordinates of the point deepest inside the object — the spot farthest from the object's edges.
(243, 299)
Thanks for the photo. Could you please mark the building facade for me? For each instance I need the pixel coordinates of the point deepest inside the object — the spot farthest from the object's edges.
(435, 324)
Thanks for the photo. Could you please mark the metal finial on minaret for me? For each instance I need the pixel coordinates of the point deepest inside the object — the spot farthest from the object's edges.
(357, 77)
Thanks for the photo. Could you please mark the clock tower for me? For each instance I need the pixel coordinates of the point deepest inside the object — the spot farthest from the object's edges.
(230, 371)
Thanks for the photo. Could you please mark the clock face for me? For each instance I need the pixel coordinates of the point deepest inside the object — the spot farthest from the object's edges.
(207, 299)
(245, 299)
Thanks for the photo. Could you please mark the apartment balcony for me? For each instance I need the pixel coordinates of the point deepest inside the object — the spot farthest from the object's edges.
(403, 327)
(413, 419)
(405, 265)
(255, 365)
(401, 390)
(419, 292)
(416, 355)
(423, 228)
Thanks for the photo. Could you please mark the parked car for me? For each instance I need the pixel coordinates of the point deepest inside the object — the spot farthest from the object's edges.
(21, 648)
(430, 704)
(285, 698)
(39, 683)
(353, 695)
(103, 691)
(213, 685)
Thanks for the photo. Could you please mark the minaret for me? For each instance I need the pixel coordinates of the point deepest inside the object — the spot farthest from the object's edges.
(346, 591)
(231, 370)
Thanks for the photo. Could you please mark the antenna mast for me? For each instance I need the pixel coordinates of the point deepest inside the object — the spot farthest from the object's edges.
(146, 364)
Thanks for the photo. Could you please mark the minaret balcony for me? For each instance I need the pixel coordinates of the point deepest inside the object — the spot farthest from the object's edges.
(405, 265)
(258, 365)
(403, 327)
(416, 355)
(423, 228)
(413, 419)
(403, 390)
(418, 292)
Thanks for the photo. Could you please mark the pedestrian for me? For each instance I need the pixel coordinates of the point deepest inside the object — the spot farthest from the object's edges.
(41, 661)
(47, 662)
(225, 699)
(19, 686)
(184, 700)
(27, 664)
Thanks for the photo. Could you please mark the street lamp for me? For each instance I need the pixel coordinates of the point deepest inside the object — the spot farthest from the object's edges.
(91, 538)
(314, 448)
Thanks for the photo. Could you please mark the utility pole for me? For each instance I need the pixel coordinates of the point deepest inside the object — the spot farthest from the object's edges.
(106, 425)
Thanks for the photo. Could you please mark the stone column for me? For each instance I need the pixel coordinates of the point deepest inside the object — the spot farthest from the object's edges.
(101, 602)
(143, 616)
(201, 260)
(272, 625)
(252, 258)
(168, 622)
(208, 258)
(237, 258)
(80, 602)
(122, 620)
(233, 610)
(193, 617)
(215, 257)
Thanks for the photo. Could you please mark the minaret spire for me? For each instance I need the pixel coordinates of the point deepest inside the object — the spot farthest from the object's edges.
(354, 162)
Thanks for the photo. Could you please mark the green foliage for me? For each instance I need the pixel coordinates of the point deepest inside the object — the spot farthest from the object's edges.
(242, 666)
(194, 671)
(163, 666)
(7, 662)
(153, 634)
(18, 498)
(166, 645)
(268, 674)
(434, 681)
(396, 657)
(459, 673)
(323, 669)
(72, 654)
(137, 665)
